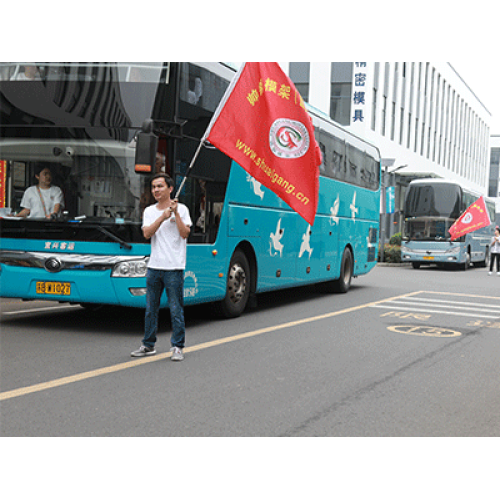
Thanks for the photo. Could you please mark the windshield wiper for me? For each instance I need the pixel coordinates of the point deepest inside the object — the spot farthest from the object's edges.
(109, 234)
(123, 243)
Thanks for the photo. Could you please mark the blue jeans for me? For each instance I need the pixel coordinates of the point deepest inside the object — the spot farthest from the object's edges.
(173, 282)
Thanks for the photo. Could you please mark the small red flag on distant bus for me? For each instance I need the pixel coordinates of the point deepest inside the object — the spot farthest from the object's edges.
(475, 217)
(262, 123)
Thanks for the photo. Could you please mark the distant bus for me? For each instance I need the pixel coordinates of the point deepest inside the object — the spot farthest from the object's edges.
(431, 208)
(81, 120)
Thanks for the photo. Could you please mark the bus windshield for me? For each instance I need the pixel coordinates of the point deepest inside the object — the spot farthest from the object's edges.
(96, 177)
(96, 180)
(79, 121)
(430, 210)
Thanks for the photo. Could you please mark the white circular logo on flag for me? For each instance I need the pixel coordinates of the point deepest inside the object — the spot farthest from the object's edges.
(288, 138)
(468, 218)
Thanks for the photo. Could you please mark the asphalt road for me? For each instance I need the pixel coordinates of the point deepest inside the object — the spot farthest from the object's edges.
(405, 353)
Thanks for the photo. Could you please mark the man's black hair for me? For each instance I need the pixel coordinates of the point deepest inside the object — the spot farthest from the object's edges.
(42, 166)
(167, 178)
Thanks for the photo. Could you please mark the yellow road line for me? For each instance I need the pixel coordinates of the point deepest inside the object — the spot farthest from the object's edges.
(23, 391)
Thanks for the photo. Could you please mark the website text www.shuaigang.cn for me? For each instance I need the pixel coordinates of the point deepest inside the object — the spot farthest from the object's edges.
(270, 172)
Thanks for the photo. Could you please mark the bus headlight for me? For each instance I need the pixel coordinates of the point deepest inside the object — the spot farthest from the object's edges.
(130, 269)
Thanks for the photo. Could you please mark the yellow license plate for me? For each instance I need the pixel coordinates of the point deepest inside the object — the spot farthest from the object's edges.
(428, 258)
(53, 288)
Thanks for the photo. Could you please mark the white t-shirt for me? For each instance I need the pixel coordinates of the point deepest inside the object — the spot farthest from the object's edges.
(168, 248)
(51, 197)
(496, 247)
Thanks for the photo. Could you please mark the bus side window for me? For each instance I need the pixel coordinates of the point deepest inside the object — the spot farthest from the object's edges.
(334, 156)
(339, 148)
(322, 167)
(371, 170)
(355, 158)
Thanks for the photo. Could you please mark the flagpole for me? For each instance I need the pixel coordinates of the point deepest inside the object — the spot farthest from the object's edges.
(188, 171)
(210, 125)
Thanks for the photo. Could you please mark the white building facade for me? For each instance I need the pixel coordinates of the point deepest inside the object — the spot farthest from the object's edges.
(422, 116)
(495, 172)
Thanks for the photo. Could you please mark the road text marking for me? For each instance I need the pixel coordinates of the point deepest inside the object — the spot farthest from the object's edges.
(425, 331)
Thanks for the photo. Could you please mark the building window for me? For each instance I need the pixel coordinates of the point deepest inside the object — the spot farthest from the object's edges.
(341, 91)
(408, 136)
(401, 126)
(494, 172)
(376, 71)
(300, 74)
(374, 109)
(416, 135)
(393, 120)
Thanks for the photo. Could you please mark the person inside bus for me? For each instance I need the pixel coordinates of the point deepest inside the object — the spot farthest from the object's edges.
(43, 200)
(147, 198)
(200, 220)
(30, 73)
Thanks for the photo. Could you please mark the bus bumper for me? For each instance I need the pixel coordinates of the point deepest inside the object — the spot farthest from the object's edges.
(451, 256)
(71, 286)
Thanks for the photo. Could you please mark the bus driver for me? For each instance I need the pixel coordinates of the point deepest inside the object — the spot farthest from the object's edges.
(42, 200)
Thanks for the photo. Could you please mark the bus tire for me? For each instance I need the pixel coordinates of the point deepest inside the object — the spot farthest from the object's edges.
(468, 261)
(343, 284)
(486, 261)
(237, 287)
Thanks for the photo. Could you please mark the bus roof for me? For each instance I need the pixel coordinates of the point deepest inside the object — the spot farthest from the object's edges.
(434, 180)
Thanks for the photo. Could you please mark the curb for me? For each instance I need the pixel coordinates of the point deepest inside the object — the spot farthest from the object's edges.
(393, 264)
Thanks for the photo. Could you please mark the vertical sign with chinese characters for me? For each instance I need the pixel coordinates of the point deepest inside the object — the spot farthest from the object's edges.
(390, 199)
(359, 92)
(3, 180)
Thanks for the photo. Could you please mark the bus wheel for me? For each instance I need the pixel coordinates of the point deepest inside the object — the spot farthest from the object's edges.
(237, 286)
(467, 262)
(486, 261)
(343, 284)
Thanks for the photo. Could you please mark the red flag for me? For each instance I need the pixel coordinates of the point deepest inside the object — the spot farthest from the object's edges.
(475, 217)
(3, 179)
(263, 125)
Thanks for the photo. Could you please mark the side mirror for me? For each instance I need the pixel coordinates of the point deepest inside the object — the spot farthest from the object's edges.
(145, 150)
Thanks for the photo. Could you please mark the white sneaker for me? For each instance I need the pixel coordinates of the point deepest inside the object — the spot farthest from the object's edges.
(143, 351)
(490, 273)
(177, 354)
